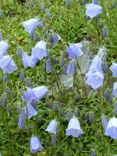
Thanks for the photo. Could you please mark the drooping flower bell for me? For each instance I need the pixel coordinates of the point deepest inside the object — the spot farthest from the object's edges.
(74, 128)
(30, 26)
(111, 129)
(34, 93)
(93, 10)
(52, 127)
(7, 64)
(3, 48)
(75, 50)
(39, 51)
(113, 69)
(35, 145)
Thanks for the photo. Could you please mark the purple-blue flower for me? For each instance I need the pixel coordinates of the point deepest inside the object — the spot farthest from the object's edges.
(70, 68)
(35, 145)
(28, 61)
(30, 25)
(7, 64)
(95, 79)
(22, 118)
(113, 69)
(74, 128)
(92, 10)
(39, 51)
(3, 48)
(111, 129)
(48, 65)
(114, 92)
(31, 111)
(74, 50)
(104, 121)
(34, 93)
(52, 127)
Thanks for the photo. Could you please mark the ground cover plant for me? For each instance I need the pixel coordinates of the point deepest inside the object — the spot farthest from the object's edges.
(58, 76)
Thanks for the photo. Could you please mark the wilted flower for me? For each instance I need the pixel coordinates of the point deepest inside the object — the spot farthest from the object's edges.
(3, 48)
(92, 10)
(7, 64)
(114, 92)
(111, 129)
(74, 128)
(74, 50)
(39, 51)
(113, 69)
(104, 121)
(95, 79)
(52, 127)
(31, 25)
(34, 93)
(35, 145)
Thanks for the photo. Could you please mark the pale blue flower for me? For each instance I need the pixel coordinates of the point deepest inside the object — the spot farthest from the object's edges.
(28, 61)
(31, 111)
(113, 69)
(74, 128)
(92, 10)
(3, 48)
(34, 93)
(104, 121)
(35, 145)
(30, 25)
(111, 129)
(52, 127)
(39, 51)
(7, 64)
(95, 79)
(48, 65)
(114, 92)
(75, 50)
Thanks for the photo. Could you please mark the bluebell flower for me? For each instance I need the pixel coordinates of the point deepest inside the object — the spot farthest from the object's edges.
(114, 92)
(22, 76)
(3, 48)
(34, 93)
(39, 51)
(19, 52)
(22, 118)
(75, 50)
(104, 121)
(7, 64)
(48, 66)
(52, 127)
(70, 68)
(74, 128)
(108, 96)
(31, 25)
(31, 111)
(28, 83)
(111, 129)
(113, 69)
(28, 61)
(54, 39)
(35, 145)
(92, 10)
(95, 79)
